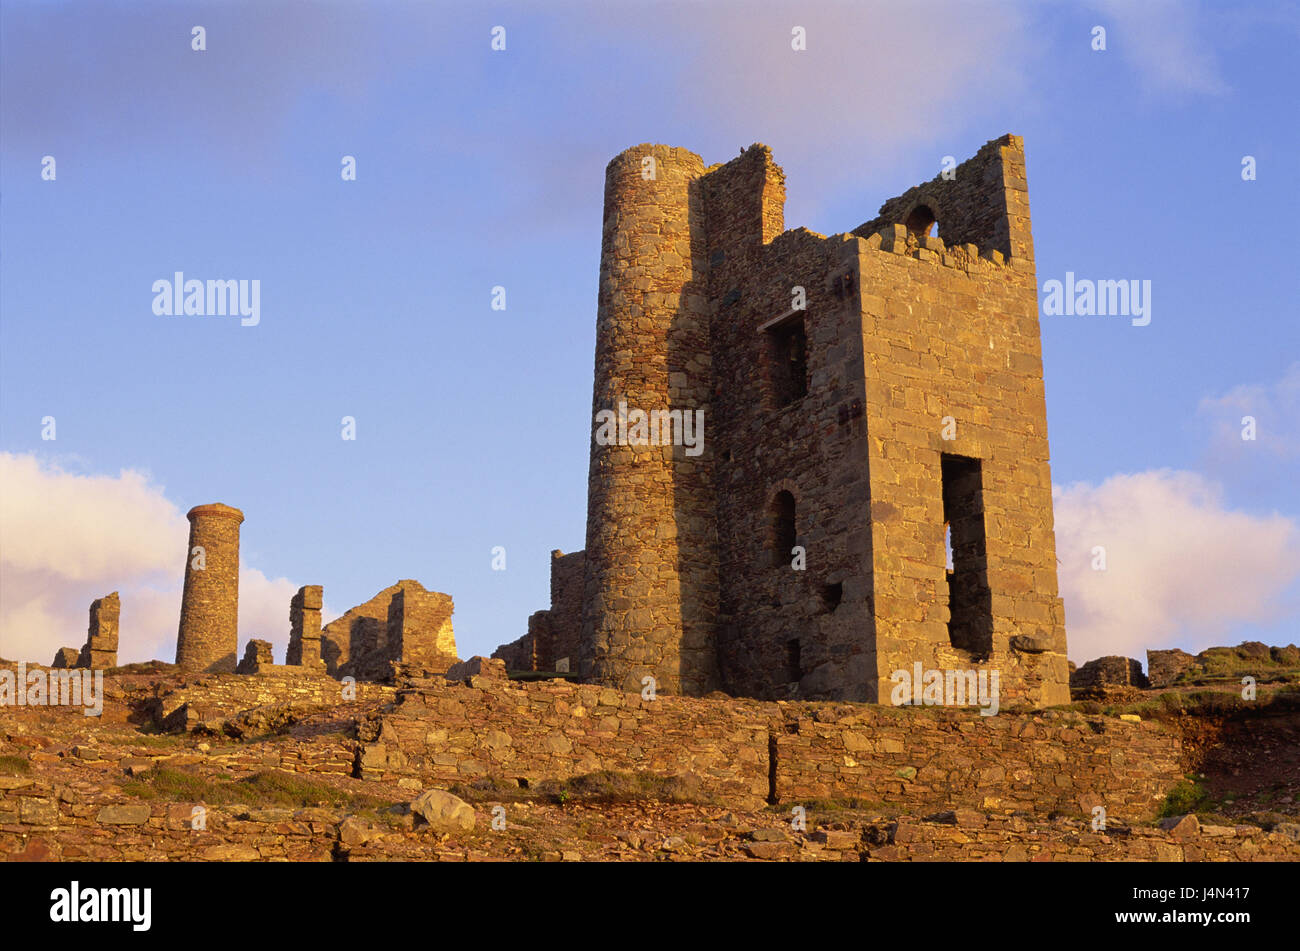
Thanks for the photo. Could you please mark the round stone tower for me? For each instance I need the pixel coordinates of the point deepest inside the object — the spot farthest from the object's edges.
(650, 585)
(208, 639)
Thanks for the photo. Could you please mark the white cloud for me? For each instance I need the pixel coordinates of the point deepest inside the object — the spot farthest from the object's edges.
(68, 538)
(877, 81)
(1167, 43)
(1182, 570)
(1275, 408)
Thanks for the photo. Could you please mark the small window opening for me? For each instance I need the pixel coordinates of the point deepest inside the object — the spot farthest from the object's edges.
(832, 595)
(793, 663)
(788, 353)
(782, 536)
(970, 601)
(921, 221)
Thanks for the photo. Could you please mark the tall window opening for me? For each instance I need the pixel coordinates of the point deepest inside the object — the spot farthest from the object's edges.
(788, 361)
(970, 601)
(781, 537)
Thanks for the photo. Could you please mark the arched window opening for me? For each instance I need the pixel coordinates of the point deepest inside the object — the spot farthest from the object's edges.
(921, 221)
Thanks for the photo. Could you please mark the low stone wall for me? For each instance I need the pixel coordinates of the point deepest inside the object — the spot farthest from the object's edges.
(213, 698)
(1042, 763)
(972, 837)
(39, 822)
(749, 752)
(443, 733)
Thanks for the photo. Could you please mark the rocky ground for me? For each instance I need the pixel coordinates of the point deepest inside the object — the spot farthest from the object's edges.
(271, 787)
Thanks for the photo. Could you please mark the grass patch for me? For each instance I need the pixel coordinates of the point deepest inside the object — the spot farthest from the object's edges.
(15, 764)
(604, 786)
(155, 740)
(1188, 796)
(1177, 703)
(846, 804)
(272, 788)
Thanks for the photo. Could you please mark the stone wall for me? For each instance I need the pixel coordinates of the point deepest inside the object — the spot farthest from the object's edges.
(368, 638)
(567, 578)
(521, 654)
(1110, 671)
(257, 654)
(750, 752)
(445, 733)
(942, 759)
(215, 698)
(419, 628)
(952, 349)
(554, 635)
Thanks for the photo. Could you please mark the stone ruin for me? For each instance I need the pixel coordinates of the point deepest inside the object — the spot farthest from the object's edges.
(1166, 667)
(552, 641)
(305, 628)
(875, 410)
(1110, 671)
(872, 401)
(100, 649)
(404, 624)
(256, 655)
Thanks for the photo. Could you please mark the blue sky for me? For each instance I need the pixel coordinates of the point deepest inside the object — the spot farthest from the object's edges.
(478, 168)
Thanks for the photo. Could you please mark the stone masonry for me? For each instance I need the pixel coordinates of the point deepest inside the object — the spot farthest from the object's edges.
(1109, 671)
(304, 627)
(872, 401)
(257, 654)
(552, 641)
(208, 637)
(66, 657)
(100, 649)
(403, 624)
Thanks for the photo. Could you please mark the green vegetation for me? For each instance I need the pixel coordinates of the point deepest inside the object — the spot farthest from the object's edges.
(1176, 703)
(604, 786)
(15, 764)
(849, 804)
(271, 788)
(1188, 796)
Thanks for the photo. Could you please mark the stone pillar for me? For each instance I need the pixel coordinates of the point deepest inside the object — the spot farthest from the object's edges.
(100, 649)
(304, 627)
(208, 637)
